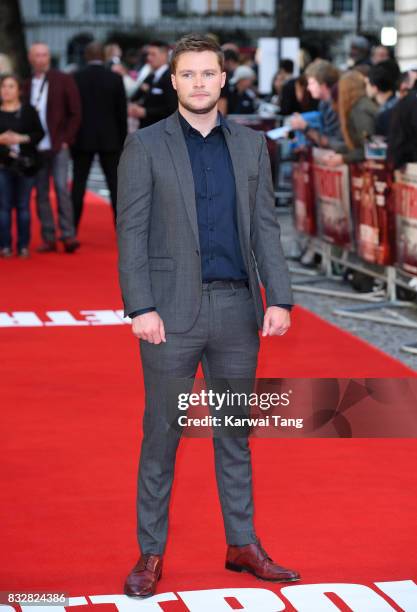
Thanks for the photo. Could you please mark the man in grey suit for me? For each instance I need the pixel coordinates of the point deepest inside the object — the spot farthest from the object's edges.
(196, 224)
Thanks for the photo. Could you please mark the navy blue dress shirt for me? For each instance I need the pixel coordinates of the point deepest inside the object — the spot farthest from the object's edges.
(215, 194)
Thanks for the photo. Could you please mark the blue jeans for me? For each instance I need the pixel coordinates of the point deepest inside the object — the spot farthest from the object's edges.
(57, 166)
(14, 193)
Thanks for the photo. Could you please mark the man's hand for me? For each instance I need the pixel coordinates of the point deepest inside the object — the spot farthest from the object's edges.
(149, 327)
(297, 122)
(136, 111)
(119, 69)
(276, 321)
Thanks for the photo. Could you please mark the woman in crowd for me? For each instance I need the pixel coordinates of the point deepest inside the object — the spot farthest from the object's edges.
(357, 116)
(296, 98)
(20, 131)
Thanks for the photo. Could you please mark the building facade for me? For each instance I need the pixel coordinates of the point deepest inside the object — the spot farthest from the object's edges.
(57, 22)
(406, 23)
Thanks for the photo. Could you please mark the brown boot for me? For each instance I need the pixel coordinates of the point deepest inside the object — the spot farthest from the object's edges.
(142, 580)
(253, 559)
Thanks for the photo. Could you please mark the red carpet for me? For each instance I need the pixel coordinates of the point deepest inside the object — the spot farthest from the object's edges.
(339, 511)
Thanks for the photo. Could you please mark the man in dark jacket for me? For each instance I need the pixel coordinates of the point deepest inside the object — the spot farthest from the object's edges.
(156, 98)
(402, 136)
(103, 126)
(381, 87)
(55, 97)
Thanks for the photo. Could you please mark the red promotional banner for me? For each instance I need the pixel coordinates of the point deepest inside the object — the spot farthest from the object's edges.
(372, 204)
(304, 203)
(406, 218)
(332, 196)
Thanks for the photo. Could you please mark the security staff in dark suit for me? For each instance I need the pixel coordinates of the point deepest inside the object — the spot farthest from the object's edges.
(156, 98)
(103, 126)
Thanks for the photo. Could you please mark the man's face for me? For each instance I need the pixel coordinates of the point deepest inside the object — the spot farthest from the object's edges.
(371, 90)
(355, 53)
(198, 80)
(39, 57)
(314, 88)
(157, 57)
(244, 84)
(379, 54)
(279, 81)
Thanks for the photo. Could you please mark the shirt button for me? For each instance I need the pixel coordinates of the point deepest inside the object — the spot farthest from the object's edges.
(208, 169)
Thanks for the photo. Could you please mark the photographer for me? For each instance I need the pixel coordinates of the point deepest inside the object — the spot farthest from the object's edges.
(20, 131)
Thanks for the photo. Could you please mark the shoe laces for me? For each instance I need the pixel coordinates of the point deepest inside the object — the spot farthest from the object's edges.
(262, 549)
(147, 562)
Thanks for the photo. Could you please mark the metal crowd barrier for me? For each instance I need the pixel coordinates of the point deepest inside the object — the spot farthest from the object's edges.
(359, 217)
(363, 218)
(279, 152)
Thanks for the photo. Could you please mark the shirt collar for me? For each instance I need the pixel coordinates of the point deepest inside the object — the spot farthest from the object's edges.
(159, 72)
(188, 129)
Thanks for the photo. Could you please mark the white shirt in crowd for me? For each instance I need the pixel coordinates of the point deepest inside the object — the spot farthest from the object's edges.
(159, 72)
(38, 99)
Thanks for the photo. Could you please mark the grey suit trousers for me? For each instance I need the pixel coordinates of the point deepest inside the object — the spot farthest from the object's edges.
(225, 339)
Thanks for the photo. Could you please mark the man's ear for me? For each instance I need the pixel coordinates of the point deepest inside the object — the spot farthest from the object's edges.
(223, 81)
(173, 81)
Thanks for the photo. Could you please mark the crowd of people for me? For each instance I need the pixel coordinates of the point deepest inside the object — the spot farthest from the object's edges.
(46, 121)
(55, 117)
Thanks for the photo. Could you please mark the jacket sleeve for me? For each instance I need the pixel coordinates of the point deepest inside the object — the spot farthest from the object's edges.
(73, 108)
(134, 198)
(265, 237)
(402, 140)
(35, 130)
(363, 125)
(121, 110)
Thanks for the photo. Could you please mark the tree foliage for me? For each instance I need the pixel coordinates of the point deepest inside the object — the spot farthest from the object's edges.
(12, 38)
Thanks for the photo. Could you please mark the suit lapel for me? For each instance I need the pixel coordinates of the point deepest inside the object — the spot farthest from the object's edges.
(179, 153)
(238, 156)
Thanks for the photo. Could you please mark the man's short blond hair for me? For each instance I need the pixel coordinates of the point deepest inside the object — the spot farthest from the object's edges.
(324, 72)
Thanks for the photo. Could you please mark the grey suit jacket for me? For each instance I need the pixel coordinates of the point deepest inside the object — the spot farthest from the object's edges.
(159, 251)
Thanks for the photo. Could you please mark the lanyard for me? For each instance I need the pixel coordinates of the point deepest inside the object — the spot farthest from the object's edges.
(39, 96)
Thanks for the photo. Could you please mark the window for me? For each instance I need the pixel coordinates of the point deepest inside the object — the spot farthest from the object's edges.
(52, 7)
(342, 6)
(227, 6)
(169, 7)
(388, 6)
(107, 7)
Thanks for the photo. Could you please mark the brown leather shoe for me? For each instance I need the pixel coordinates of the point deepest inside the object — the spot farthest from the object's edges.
(47, 247)
(142, 580)
(253, 559)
